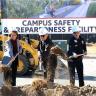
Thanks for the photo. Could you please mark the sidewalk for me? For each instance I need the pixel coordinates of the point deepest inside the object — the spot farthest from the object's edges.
(63, 11)
(89, 75)
(24, 81)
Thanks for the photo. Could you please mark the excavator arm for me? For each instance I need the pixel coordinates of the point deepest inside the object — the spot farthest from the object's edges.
(25, 46)
(31, 48)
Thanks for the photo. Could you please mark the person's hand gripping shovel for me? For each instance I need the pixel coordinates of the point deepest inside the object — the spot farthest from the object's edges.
(76, 55)
(4, 69)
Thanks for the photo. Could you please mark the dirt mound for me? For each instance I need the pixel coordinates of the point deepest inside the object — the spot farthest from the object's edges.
(61, 71)
(11, 91)
(40, 88)
(36, 89)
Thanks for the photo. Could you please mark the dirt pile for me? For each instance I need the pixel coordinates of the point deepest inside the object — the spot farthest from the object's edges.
(41, 88)
(61, 71)
(11, 91)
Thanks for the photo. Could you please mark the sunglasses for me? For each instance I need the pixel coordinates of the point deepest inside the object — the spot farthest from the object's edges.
(42, 35)
(13, 35)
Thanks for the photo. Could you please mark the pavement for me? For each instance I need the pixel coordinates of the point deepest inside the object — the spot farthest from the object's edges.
(81, 11)
(89, 75)
(63, 11)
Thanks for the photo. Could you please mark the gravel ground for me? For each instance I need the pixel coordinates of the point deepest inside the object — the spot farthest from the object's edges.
(62, 75)
(42, 88)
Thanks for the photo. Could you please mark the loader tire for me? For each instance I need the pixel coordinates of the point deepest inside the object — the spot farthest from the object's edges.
(23, 66)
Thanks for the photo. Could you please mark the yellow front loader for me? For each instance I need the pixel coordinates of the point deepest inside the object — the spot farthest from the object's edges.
(26, 63)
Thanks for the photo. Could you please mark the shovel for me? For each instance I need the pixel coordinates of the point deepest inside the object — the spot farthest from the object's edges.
(10, 62)
(4, 68)
(75, 56)
(68, 59)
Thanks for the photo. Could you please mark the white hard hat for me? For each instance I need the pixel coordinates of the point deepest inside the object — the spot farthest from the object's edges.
(43, 31)
(76, 29)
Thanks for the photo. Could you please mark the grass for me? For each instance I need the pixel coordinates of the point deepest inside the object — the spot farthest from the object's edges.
(91, 10)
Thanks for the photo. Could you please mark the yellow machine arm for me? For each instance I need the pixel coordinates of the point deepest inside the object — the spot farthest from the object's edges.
(25, 46)
(30, 49)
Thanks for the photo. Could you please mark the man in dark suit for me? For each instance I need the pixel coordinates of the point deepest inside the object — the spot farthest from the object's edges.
(77, 46)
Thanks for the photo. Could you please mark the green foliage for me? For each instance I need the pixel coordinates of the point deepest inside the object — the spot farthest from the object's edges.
(24, 8)
(28, 8)
(91, 10)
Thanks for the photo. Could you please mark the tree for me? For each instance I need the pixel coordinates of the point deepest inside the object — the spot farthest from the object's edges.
(3, 9)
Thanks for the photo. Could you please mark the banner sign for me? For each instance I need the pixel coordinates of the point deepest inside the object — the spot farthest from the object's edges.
(54, 26)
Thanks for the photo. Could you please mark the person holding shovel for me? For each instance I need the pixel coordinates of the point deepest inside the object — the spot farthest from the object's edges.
(77, 49)
(45, 44)
(11, 49)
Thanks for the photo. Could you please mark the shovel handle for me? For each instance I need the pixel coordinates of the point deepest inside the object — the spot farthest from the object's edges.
(76, 56)
(10, 62)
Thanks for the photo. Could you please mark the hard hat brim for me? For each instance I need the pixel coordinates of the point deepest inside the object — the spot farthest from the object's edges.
(76, 31)
(43, 34)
